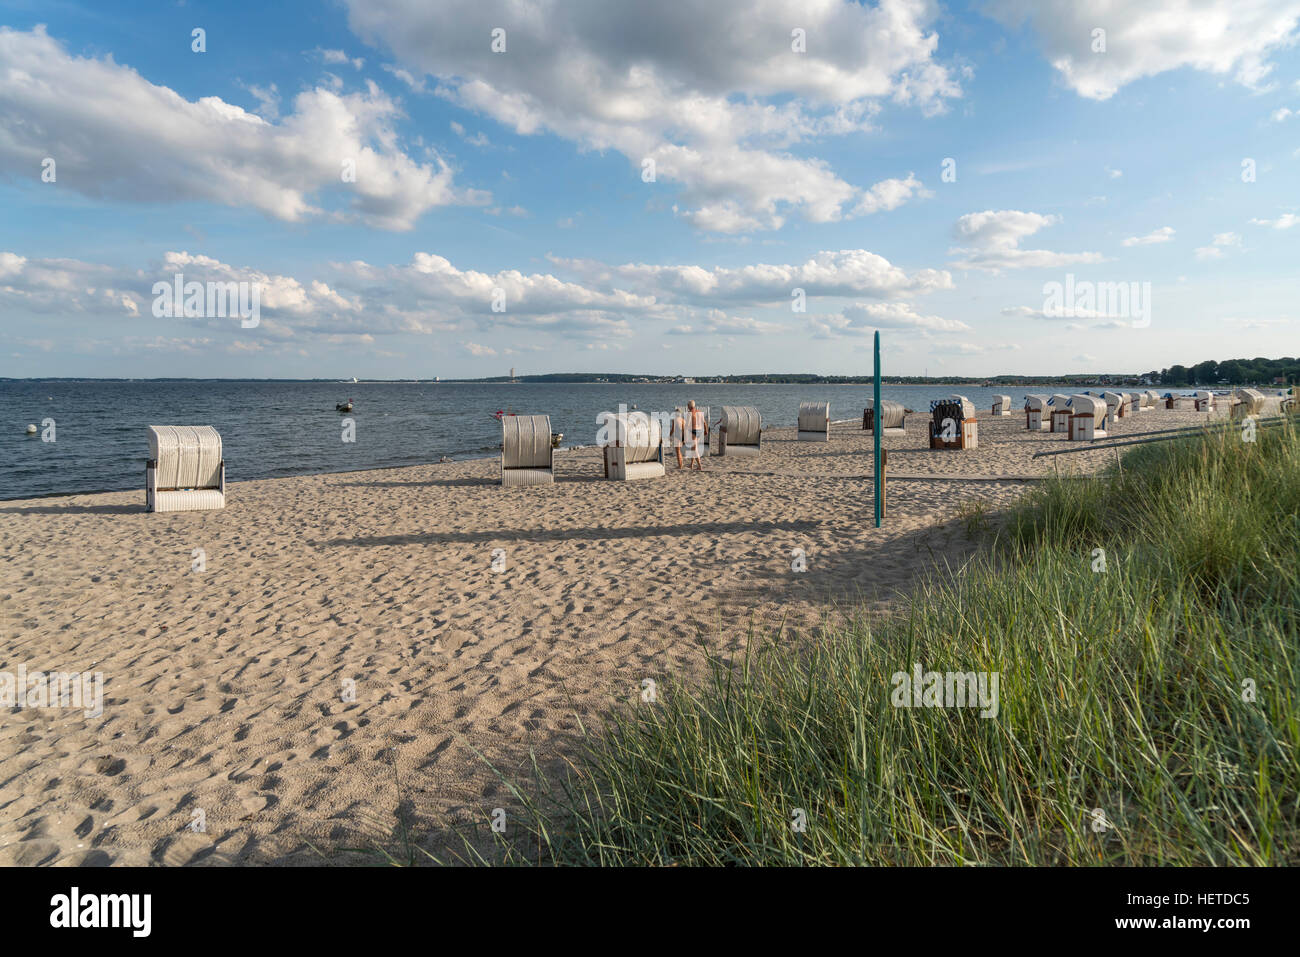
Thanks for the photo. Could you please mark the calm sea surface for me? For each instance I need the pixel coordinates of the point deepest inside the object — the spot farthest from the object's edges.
(271, 429)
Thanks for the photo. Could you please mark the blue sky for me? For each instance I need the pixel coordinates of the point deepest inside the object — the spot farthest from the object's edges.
(516, 177)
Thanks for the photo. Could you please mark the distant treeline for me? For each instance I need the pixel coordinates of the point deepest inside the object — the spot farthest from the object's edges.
(1230, 372)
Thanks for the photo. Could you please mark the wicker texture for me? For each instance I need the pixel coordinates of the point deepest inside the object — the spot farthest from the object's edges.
(192, 500)
(188, 456)
(743, 427)
(892, 414)
(526, 453)
(1084, 405)
(1247, 402)
(814, 416)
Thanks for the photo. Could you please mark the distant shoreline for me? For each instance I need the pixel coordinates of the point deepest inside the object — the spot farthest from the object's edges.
(559, 379)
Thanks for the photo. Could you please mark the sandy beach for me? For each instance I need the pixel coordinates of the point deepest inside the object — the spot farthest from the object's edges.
(226, 690)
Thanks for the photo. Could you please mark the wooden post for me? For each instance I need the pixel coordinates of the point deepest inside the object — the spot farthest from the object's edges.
(884, 488)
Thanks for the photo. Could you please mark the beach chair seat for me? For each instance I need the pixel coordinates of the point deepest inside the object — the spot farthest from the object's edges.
(527, 457)
(185, 471)
(814, 422)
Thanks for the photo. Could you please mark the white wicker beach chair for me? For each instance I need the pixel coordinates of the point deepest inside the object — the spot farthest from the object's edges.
(1204, 401)
(1060, 405)
(1038, 414)
(814, 421)
(1246, 402)
(185, 471)
(1002, 405)
(526, 454)
(741, 432)
(1087, 417)
(635, 449)
(1117, 403)
(893, 417)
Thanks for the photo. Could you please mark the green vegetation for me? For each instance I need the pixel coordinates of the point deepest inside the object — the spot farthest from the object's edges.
(1126, 731)
(1255, 371)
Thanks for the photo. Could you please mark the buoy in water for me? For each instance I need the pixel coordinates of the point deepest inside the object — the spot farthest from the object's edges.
(31, 430)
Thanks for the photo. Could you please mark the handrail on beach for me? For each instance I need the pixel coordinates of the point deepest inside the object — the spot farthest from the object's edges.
(1164, 435)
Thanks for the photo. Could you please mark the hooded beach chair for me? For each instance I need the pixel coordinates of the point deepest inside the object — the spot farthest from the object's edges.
(185, 471)
(1060, 404)
(741, 432)
(527, 457)
(635, 448)
(1117, 403)
(953, 424)
(892, 417)
(1087, 417)
(814, 422)
(1038, 414)
(1002, 405)
(1246, 402)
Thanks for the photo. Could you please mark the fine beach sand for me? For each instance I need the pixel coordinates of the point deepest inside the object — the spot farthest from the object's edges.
(223, 689)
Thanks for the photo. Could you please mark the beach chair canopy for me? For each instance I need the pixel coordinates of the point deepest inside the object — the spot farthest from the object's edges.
(1116, 399)
(1089, 405)
(892, 414)
(188, 456)
(638, 432)
(1035, 403)
(956, 407)
(1202, 395)
(526, 442)
(743, 424)
(1059, 401)
(814, 416)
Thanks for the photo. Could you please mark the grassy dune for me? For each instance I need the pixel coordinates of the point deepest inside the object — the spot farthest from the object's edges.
(1125, 732)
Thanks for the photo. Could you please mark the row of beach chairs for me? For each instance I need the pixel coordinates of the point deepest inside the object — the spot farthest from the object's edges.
(186, 472)
(634, 448)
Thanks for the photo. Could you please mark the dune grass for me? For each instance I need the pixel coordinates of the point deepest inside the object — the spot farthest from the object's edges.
(1148, 706)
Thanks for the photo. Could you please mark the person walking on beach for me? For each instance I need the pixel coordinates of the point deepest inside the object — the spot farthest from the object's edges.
(699, 426)
(677, 433)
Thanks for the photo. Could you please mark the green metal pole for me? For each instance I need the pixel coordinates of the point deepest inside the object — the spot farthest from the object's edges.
(875, 436)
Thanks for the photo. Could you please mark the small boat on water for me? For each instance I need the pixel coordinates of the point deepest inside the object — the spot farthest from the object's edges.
(343, 406)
